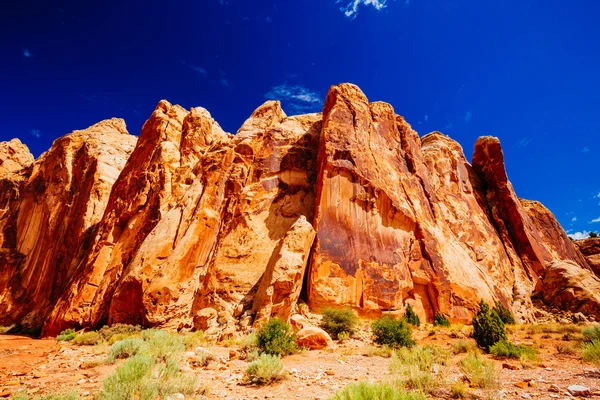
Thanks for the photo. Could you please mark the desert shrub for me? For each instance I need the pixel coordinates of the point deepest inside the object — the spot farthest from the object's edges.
(418, 367)
(252, 355)
(459, 390)
(155, 354)
(73, 395)
(463, 346)
(507, 349)
(565, 349)
(336, 321)
(276, 338)
(440, 320)
(375, 391)
(479, 372)
(266, 369)
(343, 336)
(591, 352)
(88, 339)
(392, 332)
(379, 351)
(411, 316)
(591, 334)
(194, 339)
(488, 328)
(593, 234)
(125, 348)
(249, 342)
(203, 357)
(163, 345)
(67, 335)
(504, 313)
(123, 330)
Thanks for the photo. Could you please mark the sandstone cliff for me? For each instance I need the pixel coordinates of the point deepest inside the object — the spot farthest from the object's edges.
(53, 215)
(198, 228)
(590, 248)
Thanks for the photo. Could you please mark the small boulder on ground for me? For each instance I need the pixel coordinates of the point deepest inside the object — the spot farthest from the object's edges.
(579, 390)
(313, 338)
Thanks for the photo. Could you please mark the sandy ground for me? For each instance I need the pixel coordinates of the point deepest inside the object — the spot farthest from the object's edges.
(46, 366)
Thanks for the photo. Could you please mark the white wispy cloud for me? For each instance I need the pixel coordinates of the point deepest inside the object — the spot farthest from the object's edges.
(595, 220)
(36, 132)
(351, 8)
(574, 219)
(585, 150)
(579, 235)
(27, 53)
(196, 68)
(524, 141)
(468, 116)
(296, 98)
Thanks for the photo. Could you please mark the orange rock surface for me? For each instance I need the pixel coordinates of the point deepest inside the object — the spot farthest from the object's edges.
(192, 227)
(590, 248)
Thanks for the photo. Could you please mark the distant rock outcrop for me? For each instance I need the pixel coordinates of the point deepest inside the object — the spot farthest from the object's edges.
(189, 227)
(590, 248)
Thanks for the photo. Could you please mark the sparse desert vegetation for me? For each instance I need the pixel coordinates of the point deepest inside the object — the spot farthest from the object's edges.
(385, 359)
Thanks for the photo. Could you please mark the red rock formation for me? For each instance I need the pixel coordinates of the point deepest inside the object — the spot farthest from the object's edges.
(567, 286)
(590, 248)
(14, 156)
(55, 215)
(203, 229)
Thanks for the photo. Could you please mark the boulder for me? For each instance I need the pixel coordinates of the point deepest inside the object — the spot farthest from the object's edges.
(313, 338)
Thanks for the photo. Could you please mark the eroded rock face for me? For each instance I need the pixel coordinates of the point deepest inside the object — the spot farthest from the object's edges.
(54, 217)
(14, 156)
(590, 248)
(195, 228)
(567, 286)
(281, 283)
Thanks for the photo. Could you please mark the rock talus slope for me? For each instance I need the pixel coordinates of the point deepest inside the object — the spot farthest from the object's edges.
(190, 227)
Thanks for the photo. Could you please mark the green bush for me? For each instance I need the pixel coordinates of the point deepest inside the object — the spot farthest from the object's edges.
(194, 339)
(464, 346)
(336, 321)
(67, 335)
(55, 396)
(265, 369)
(507, 349)
(153, 370)
(418, 367)
(488, 328)
(375, 391)
(88, 339)
(591, 352)
(440, 320)
(591, 334)
(593, 235)
(411, 316)
(276, 338)
(122, 330)
(392, 332)
(479, 372)
(504, 313)
(125, 348)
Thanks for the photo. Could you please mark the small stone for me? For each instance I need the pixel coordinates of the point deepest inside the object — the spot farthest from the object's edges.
(578, 390)
(526, 396)
(234, 354)
(554, 388)
(522, 385)
(330, 372)
(510, 366)
(4, 393)
(81, 381)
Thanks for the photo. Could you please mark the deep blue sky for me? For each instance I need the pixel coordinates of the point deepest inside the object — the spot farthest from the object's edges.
(525, 71)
